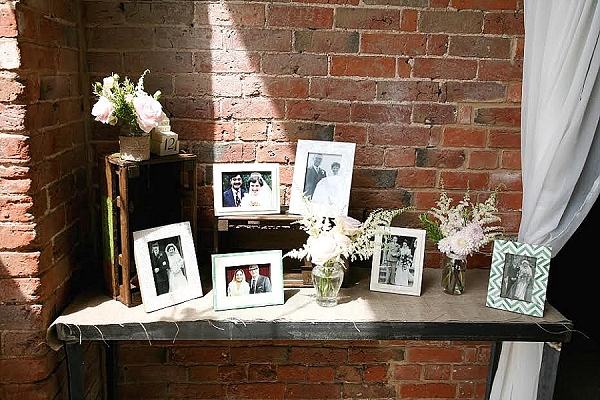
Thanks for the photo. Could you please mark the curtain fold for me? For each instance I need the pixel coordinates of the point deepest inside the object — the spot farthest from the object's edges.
(560, 153)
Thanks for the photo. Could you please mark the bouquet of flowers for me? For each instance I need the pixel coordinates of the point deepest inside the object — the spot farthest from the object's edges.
(341, 238)
(464, 228)
(122, 103)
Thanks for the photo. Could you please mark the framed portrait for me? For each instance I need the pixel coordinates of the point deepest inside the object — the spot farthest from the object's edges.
(323, 174)
(250, 279)
(246, 188)
(398, 261)
(167, 266)
(519, 277)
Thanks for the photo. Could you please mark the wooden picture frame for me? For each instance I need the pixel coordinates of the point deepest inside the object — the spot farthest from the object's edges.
(329, 189)
(229, 293)
(398, 261)
(262, 176)
(519, 277)
(169, 276)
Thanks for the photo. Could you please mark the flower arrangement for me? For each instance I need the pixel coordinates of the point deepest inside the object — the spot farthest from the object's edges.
(340, 238)
(464, 228)
(333, 241)
(122, 103)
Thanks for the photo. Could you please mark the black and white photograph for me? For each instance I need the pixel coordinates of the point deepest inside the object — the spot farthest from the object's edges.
(519, 277)
(167, 267)
(398, 261)
(246, 188)
(323, 176)
(249, 279)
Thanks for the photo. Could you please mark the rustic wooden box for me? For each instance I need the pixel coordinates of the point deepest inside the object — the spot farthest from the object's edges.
(136, 196)
(242, 233)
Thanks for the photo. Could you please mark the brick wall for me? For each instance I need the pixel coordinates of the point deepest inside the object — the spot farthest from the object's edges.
(44, 187)
(427, 89)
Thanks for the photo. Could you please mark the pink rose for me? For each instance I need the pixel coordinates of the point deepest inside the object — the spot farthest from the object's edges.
(103, 110)
(322, 248)
(347, 225)
(149, 112)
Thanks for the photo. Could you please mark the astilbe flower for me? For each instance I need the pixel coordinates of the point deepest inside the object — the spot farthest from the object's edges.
(465, 228)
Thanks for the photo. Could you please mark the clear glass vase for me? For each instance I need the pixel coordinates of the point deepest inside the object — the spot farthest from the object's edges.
(327, 280)
(453, 274)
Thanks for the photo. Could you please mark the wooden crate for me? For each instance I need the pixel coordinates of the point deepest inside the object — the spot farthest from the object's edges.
(136, 196)
(242, 233)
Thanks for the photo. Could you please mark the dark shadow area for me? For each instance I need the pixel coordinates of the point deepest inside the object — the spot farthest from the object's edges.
(572, 289)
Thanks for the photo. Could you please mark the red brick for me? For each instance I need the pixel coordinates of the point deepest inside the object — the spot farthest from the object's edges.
(300, 17)
(8, 21)
(451, 22)
(251, 108)
(26, 369)
(408, 90)
(259, 40)
(191, 354)
(12, 119)
(215, 61)
(434, 114)
(141, 354)
(326, 41)
(291, 131)
(351, 133)
(19, 264)
(280, 153)
(409, 19)
(501, 23)
(375, 373)
(434, 355)
(500, 138)
(436, 68)
(498, 116)
(292, 373)
(368, 391)
(258, 391)
(228, 14)
(318, 355)
(262, 372)
(314, 110)
(469, 372)
(233, 373)
(15, 236)
(500, 70)
(460, 179)
(259, 354)
(476, 91)
(368, 156)
(295, 64)
(149, 390)
(204, 373)
(437, 44)
(342, 89)
(407, 372)
(428, 390)
(19, 290)
(348, 373)
(483, 159)
(378, 354)
(158, 62)
(411, 177)
(16, 208)
(363, 66)
(380, 113)
(312, 391)
(434, 372)
(464, 137)
(273, 86)
(404, 157)
(388, 44)
(364, 18)
(511, 159)
(321, 374)
(148, 373)
(486, 5)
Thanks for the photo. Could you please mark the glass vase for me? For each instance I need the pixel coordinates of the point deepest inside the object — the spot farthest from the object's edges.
(134, 145)
(453, 274)
(327, 280)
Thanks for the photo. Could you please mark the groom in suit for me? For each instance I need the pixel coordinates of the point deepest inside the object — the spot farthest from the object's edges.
(232, 197)
(258, 283)
(314, 174)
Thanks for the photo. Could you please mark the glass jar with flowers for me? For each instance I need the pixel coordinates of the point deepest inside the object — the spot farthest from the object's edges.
(122, 104)
(333, 242)
(460, 231)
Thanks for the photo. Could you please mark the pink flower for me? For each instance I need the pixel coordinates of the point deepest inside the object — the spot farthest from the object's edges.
(149, 112)
(322, 248)
(347, 225)
(103, 110)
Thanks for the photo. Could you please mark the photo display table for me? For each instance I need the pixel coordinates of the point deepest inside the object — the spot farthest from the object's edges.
(361, 314)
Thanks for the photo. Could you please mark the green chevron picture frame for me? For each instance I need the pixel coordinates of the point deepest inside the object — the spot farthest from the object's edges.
(519, 277)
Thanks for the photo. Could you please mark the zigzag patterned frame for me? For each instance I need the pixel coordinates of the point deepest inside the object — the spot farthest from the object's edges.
(505, 256)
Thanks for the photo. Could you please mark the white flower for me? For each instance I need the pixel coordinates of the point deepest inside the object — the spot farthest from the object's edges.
(462, 229)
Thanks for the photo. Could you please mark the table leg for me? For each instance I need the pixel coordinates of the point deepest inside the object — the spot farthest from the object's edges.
(74, 354)
(548, 370)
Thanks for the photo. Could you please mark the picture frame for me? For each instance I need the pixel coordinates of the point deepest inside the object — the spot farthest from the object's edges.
(230, 293)
(397, 265)
(262, 176)
(519, 277)
(169, 275)
(327, 191)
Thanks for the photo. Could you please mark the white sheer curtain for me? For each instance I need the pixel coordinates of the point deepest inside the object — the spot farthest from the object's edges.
(560, 151)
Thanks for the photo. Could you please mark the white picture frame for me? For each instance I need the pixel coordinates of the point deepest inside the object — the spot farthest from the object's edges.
(228, 295)
(329, 194)
(519, 277)
(267, 200)
(172, 278)
(398, 250)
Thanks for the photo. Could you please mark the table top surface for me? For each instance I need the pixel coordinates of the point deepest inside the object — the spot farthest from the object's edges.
(361, 314)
